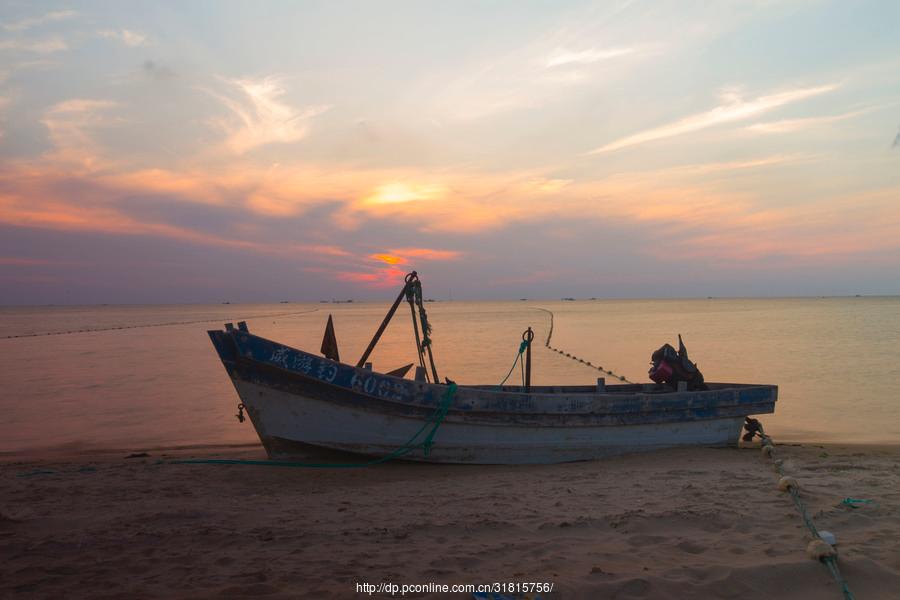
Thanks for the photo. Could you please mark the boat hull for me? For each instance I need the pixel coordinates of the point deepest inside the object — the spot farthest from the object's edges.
(283, 419)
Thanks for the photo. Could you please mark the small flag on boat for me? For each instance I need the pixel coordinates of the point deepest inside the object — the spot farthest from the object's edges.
(329, 342)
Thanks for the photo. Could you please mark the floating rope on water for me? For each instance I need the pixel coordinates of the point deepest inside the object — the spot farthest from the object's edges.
(168, 324)
(586, 363)
(818, 548)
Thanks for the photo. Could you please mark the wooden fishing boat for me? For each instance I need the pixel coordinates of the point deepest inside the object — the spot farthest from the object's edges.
(296, 398)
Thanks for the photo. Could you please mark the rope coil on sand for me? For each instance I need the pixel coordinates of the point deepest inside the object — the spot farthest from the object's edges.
(817, 549)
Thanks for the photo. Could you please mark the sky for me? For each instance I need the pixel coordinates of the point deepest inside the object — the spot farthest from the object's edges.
(169, 152)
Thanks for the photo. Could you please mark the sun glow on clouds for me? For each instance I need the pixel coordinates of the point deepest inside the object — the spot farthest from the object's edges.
(401, 193)
(389, 259)
(367, 208)
(391, 273)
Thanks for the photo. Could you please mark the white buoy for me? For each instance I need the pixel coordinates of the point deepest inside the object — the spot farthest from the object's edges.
(828, 537)
(786, 483)
(819, 549)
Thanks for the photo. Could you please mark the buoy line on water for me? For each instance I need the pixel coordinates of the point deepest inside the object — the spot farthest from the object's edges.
(572, 356)
(168, 324)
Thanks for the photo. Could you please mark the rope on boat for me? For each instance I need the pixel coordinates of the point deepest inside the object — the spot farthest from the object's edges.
(427, 442)
(169, 324)
(522, 348)
(818, 548)
(586, 363)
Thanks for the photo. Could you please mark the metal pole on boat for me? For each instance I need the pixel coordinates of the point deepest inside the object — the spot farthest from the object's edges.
(431, 360)
(387, 319)
(419, 351)
(528, 336)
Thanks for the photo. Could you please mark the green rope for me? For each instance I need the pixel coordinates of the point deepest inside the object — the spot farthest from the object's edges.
(852, 502)
(435, 420)
(522, 348)
(829, 561)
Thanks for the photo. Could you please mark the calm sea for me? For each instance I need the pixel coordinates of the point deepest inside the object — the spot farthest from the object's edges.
(158, 383)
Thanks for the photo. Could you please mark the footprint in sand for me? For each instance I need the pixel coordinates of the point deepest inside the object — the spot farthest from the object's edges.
(691, 547)
(633, 588)
(646, 540)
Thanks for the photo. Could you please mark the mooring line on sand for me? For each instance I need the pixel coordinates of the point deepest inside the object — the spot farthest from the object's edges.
(168, 324)
(586, 363)
(818, 548)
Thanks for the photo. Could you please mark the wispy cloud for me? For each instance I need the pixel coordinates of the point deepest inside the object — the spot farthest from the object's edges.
(126, 36)
(733, 109)
(42, 46)
(562, 56)
(692, 170)
(259, 116)
(426, 253)
(27, 262)
(29, 22)
(792, 125)
(69, 125)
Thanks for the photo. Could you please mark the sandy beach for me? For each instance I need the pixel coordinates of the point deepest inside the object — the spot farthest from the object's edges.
(691, 523)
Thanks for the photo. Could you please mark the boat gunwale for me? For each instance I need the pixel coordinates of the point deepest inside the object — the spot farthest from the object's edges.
(625, 404)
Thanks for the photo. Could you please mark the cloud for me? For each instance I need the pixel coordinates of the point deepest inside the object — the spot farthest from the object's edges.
(427, 253)
(896, 141)
(41, 197)
(733, 109)
(26, 262)
(29, 22)
(692, 170)
(563, 57)
(389, 259)
(126, 36)
(69, 124)
(839, 228)
(403, 192)
(43, 46)
(384, 277)
(687, 213)
(792, 125)
(391, 266)
(4, 102)
(259, 117)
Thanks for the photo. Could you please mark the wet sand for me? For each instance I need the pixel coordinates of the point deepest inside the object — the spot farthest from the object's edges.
(692, 523)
